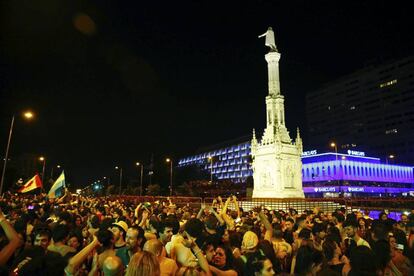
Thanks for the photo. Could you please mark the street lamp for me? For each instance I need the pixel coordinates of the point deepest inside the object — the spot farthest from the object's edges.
(51, 171)
(391, 156)
(142, 171)
(168, 160)
(211, 169)
(333, 145)
(120, 178)
(107, 180)
(42, 159)
(27, 115)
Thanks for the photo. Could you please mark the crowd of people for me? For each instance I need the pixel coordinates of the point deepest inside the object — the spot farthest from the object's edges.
(76, 235)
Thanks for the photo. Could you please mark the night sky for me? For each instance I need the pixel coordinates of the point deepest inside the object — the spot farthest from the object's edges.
(113, 82)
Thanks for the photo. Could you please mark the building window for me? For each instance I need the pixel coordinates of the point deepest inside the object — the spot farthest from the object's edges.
(388, 83)
(391, 131)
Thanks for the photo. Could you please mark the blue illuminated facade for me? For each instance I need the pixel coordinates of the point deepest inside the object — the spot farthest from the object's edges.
(230, 162)
(323, 174)
(330, 174)
(331, 166)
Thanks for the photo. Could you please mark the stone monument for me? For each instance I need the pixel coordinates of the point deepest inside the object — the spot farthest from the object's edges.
(277, 165)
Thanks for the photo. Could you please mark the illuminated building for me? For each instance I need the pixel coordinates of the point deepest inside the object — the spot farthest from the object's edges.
(371, 109)
(229, 161)
(330, 174)
(323, 175)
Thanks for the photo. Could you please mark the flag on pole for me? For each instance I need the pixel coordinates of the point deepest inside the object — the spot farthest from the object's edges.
(32, 184)
(58, 187)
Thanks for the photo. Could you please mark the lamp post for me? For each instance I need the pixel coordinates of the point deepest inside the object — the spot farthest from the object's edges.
(51, 172)
(391, 156)
(211, 169)
(43, 159)
(333, 145)
(27, 115)
(120, 178)
(140, 181)
(168, 160)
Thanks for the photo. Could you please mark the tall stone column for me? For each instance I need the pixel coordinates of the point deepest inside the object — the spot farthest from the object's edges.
(277, 164)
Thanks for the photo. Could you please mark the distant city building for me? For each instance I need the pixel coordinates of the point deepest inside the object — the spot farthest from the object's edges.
(323, 174)
(333, 174)
(371, 109)
(225, 161)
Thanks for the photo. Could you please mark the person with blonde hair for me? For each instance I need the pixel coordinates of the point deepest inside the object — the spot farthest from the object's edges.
(143, 264)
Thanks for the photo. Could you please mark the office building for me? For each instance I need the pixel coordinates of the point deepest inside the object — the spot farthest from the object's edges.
(371, 109)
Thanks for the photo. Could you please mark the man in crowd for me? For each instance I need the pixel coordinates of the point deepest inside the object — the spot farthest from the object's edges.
(42, 238)
(350, 228)
(60, 236)
(165, 229)
(167, 265)
(288, 233)
(119, 229)
(133, 244)
(112, 266)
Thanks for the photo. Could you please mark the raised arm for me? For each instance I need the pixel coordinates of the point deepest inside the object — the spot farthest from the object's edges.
(219, 218)
(226, 205)
(236, 205)
(202, 261)
(229, 220)
(136, 214)
(200, 213)
(220, 201)
(144, 218)
(79, 258)
(267, 225)
(14, 240)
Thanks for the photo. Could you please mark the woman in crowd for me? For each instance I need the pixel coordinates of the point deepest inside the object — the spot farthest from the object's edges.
(223, 263)
(143, 264)
(362, 228)
(332, 253)
(259, 265)
(308, 261)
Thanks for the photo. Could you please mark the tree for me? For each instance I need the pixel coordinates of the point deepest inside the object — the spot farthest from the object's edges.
(153, 190)
(190, 173)
(110, 190)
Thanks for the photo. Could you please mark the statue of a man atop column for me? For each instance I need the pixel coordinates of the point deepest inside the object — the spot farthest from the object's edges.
(270, 39)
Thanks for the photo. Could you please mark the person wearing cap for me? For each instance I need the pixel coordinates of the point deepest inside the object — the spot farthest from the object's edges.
(119, 229)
